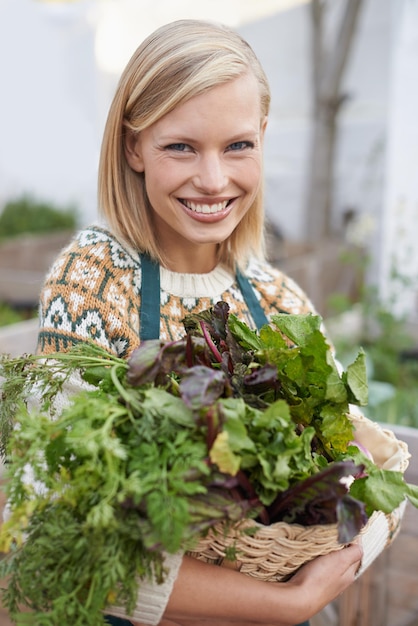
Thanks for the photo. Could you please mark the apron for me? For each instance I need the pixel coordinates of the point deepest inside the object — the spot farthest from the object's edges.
(149, 318)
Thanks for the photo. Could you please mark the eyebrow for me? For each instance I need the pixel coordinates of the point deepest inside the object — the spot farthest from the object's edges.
(249, 133)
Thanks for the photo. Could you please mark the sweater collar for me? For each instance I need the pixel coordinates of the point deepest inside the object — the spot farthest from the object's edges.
(210, 285)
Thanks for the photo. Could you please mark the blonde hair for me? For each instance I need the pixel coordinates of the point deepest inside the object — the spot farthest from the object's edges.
(175, 63)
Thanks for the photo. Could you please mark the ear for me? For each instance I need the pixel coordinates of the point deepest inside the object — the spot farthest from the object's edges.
(263, 126)
(133, 152)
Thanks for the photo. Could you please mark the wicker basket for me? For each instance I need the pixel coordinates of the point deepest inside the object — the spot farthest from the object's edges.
(275, 552)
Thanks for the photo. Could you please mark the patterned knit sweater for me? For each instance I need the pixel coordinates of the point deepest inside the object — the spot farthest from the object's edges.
(93, 291)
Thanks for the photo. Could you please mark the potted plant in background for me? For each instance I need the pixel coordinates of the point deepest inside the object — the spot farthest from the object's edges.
(31, 234)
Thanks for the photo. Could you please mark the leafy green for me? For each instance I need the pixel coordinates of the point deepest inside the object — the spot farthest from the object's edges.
(222, 425)
(103, 471)
(356, 381)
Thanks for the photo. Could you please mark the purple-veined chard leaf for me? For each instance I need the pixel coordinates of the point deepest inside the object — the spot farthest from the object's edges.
(201, 386)
(322, 499)
(261, 380)
(351, 517)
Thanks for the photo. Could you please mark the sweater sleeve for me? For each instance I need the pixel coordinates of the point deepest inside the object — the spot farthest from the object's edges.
(153, 598)
(91, 293)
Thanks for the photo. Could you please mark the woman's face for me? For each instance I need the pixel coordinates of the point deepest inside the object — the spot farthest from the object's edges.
(203, 166)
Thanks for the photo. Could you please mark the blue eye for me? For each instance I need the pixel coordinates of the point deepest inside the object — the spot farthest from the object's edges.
(240, 145)
(178, 147)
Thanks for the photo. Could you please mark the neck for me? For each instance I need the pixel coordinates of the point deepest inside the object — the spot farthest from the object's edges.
(195, 260)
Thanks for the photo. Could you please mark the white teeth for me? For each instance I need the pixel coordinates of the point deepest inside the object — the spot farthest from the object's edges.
(206, 208)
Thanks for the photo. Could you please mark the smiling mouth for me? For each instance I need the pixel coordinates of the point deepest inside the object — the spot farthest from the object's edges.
(217, 207)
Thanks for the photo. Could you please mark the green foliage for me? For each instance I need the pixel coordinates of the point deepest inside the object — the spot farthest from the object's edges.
(9, 315)
(391, 364)
(27, 215)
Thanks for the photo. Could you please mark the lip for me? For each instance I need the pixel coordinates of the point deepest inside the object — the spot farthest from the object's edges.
(205, 215)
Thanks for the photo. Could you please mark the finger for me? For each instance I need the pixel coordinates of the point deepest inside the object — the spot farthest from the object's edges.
(355, 550)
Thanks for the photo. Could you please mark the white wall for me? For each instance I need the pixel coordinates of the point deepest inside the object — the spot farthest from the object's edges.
(55, 98)
(281, 43)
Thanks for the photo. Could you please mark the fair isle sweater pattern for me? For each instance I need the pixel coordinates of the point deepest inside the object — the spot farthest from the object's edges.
(93, 292)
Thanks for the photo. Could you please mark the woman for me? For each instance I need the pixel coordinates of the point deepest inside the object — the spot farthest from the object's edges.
(180, 188)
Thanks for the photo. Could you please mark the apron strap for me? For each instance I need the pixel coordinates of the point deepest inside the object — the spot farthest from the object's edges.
(149, 315)
(251, 300)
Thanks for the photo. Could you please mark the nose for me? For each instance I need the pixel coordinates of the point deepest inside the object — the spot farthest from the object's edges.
(210, 176)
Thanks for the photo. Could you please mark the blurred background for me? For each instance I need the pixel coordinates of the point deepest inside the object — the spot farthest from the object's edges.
(340, 156)
(59, 63)
(341, 177)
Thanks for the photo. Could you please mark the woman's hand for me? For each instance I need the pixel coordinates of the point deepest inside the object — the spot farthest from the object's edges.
(322, 580)
(209, 595)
